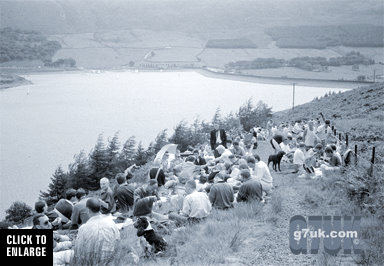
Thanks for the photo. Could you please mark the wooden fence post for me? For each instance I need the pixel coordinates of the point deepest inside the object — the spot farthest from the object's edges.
(355, 154)
(334, 132)
(340, 136)
(346, 139)
(373, 155)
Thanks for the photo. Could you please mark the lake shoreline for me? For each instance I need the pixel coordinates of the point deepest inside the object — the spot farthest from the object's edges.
(212, 74)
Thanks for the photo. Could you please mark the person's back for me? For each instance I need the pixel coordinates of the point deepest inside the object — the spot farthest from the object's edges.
(80, 213)
(250, 190)
(64, 207)
(124, 197)
(221, 195)
(96, 239)
(197, 205)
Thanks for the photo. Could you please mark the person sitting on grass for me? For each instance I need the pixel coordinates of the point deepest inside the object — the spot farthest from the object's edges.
(96, 239)
(80, 212)
(250, 190)
(144, 197)
(41, 207)
(223, 154)
(221, 194)
(196, 206)
(124, 196)
(263, 175)
(107, 199)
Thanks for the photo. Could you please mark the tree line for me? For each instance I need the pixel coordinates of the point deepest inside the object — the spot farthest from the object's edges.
(306, 62)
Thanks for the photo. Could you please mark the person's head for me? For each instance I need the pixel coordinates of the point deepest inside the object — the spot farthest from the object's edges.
(190, 186)
(41, 221)
(328, 151)
(218, 178)
(196, 153)
(220, 149)
(70, 194)
(152, 186)
(245, 174)
(236, 144)
(93, 205)
(177, 170)
(104, 183)
(121, 178)
(257, 158)
(165, 156)
(318, 148)
(232, 158)
(251, 162)
(328, 122)
(243, 166)
(41, 206)
(80, 193)
(216, 126)
(334, 147)
(203, 179)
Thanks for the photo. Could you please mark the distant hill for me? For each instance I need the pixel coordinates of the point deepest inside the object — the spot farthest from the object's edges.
(206, 17)
(358, 112)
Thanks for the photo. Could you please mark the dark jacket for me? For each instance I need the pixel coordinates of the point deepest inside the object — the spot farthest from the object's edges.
(250, 190)
(223, 138)
(221, 195)
(124, 197)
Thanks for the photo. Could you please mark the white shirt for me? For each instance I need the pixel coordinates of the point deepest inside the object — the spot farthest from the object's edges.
(298, 157)
(197, 205)
(218, 139)
(97, 237)
(262, 172)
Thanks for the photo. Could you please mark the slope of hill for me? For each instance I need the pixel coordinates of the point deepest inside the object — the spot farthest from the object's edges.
(358, 112)
(205, 17)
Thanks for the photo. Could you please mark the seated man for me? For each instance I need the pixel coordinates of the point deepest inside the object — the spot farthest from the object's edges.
(188, 170)
(41, 207)
(80, 212)
(221, 194)
(144, 197)
(106, 199)
(237, 150)
(196, 205)
(250, 190)
(124, 195)
(65, 206)
(158, 174)
(223, 154)
(96, 239)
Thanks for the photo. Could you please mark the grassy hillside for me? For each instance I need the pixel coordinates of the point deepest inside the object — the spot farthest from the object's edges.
(358, 112)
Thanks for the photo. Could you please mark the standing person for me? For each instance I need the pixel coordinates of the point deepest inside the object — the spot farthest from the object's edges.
(221, 194)
(310, 137)
(96, 239)
(299, 157)
(218, 137)
(80, 213)
(124, 195)
(323, 131)
(107, 199)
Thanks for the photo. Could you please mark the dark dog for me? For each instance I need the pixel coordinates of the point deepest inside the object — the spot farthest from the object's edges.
(276, 159)
(155, 240)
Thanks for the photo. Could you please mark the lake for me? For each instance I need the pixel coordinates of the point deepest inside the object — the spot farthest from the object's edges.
(65, 112)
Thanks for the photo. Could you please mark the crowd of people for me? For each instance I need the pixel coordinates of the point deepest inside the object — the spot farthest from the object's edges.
(225, 172)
